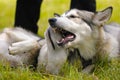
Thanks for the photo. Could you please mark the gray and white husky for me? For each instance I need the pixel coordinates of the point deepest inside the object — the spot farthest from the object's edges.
(88, 33)
(75, 31)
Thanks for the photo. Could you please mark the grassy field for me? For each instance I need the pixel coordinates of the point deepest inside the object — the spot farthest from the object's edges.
(103, 71)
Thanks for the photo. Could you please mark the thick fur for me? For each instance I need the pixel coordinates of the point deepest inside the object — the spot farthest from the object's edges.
(18, 47)
(93, 38)
(51, 57)
(81, 32)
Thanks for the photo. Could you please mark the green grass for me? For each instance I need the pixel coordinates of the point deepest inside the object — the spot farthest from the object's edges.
(102, 71)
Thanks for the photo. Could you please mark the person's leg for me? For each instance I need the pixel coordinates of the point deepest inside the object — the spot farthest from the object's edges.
(89, 5)
(27, 14)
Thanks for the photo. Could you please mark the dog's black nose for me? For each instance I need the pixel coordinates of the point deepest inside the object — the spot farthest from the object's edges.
(52, 21)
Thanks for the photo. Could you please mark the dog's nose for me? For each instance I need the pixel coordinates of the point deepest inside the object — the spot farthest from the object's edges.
(52, 21)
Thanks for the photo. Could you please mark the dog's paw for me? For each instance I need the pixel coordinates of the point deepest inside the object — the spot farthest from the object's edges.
(88, 69)
(13, 50)
(23, 46)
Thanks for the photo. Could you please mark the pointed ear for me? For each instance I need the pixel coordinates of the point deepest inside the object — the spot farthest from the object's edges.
(100, 18)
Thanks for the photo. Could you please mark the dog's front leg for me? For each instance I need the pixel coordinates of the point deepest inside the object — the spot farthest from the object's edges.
(23, 46)
(56, 60)
(88, 65)
(88, 69)
(16, 36)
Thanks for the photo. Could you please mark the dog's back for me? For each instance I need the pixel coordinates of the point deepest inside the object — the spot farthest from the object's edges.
(113, 29)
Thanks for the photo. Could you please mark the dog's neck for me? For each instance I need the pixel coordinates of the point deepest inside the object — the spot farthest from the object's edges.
(100, 47)
(92, 47)
(87, 49)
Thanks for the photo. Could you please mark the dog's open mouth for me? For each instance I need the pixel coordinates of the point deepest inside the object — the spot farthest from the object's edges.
(66, 36)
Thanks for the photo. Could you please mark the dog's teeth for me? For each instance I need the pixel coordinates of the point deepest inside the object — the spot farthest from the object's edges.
(54, 30)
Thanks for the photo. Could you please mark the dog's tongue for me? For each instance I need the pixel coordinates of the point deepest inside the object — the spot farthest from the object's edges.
(65, 40)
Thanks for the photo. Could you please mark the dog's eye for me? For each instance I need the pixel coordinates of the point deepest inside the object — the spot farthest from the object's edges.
(56, 15)
(72, 16)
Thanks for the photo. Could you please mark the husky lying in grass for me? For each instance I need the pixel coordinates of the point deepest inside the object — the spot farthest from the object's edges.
(76, 31)
(86, 32)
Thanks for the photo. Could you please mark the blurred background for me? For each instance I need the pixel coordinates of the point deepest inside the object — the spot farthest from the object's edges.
(7, 11)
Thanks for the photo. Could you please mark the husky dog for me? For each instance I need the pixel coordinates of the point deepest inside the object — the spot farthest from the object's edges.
(18, 47)
(87, 32)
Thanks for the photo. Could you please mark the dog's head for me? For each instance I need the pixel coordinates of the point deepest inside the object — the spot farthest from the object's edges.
(75, 26)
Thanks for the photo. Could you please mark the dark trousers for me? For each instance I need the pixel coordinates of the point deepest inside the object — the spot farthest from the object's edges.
(28, 11)
(27, 14)
(89, 5)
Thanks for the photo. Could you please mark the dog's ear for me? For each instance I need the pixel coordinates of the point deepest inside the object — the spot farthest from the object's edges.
(56, 15)
(100, 18)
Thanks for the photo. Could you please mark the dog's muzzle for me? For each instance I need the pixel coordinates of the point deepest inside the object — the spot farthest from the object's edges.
(66, 36)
